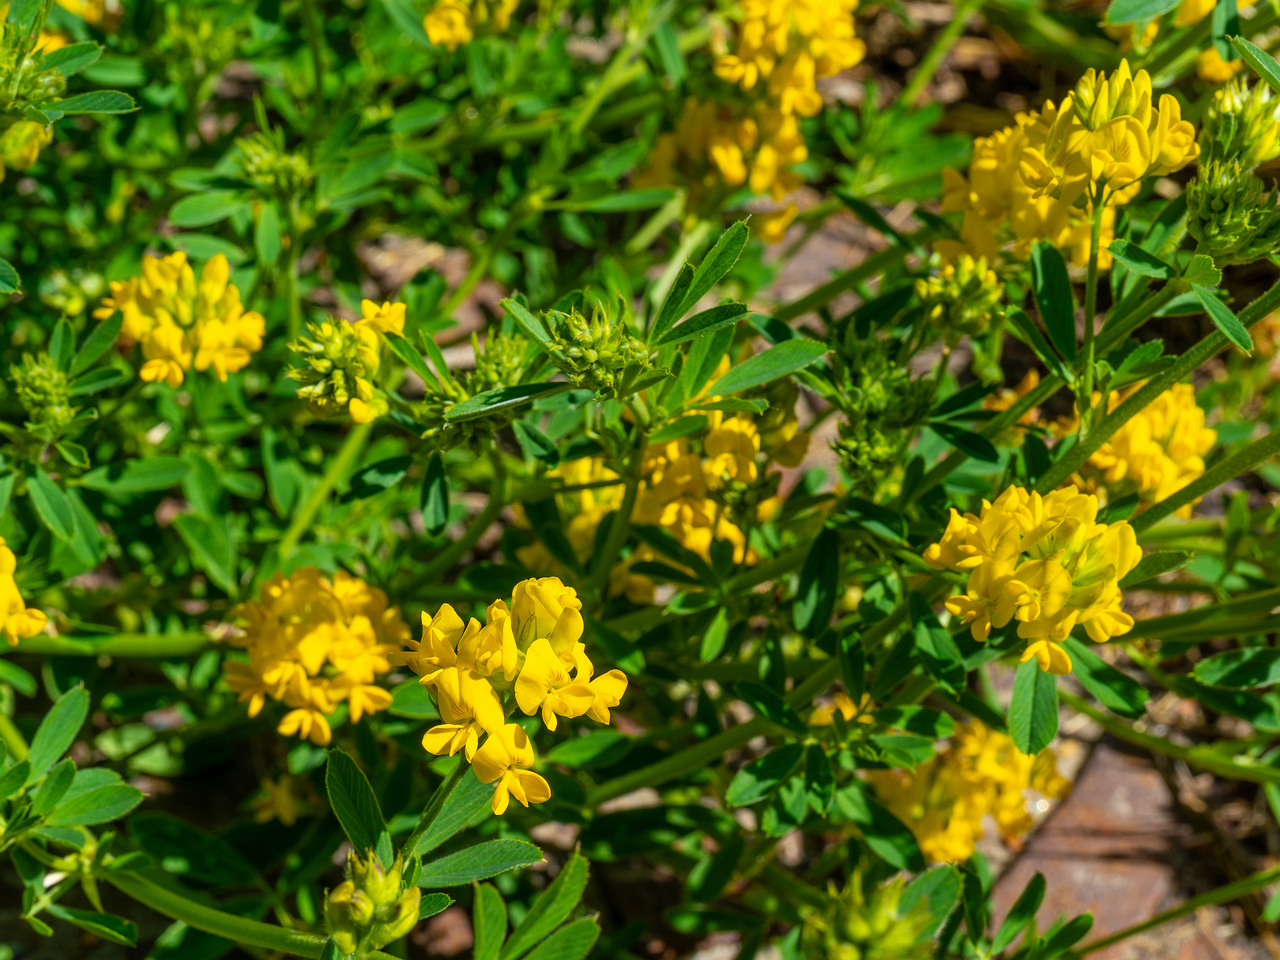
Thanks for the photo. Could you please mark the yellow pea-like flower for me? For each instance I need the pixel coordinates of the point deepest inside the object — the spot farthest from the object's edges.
(506, 757)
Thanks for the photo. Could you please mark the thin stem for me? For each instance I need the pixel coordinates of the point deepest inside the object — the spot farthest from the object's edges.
(351, 448)
(870, 267)
(1085, 401)
(942, 45)
(1232, 891)
(1205, 758)
(456, 550)
(12, 738)
(433, 808)
(619, 525)
(118, 645)
(1225, 469)
(317, 62)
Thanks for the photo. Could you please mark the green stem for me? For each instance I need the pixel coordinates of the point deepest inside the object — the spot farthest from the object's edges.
(118, 645)
(168, 901)
(351, 449)
(291, 294)
(456, 550)
(1232, 891)
(870, 267)
(1203, 758)
(433, 808)
(317, 63)
(1225, 469)
(1085, 400)
(942, 45)
(12, 738)
(619, 525)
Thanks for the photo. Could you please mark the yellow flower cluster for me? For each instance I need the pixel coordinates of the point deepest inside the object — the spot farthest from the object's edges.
(313, 644)
(453, 23)
(1155, 453)
(17, 620)
(714, 150)
(1043, 561)
(342, 360)
(1038, 179)
(183, 324)
(945, 800)
(825, 716)
(528, 655)
(789, 44)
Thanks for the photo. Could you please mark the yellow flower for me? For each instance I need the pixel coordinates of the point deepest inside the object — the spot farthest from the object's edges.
(314, 643)
(388, 318)
(1043, 561)
(545, 683)
(20, 144)
(448, 24)
(468, 706)
(182, 324)
(824, 716)
(283, 799)
(506, 757)
(17, 620)
(945, 800)
(1212, 68)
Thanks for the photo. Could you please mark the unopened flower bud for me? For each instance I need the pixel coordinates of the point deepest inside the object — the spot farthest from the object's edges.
(1242, 125)
(1231, 214)
(348, 913)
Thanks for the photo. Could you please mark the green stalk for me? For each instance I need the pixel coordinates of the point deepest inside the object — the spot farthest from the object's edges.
(868, 268)
(937, 53)
(1232, 891)
(456, 550)
(317, 62)
(433, 808)
(619, 525)
(347, 454)
(12, 738)
(1085, 400)
(118, 645)
(1225, 469)
(1203, 758)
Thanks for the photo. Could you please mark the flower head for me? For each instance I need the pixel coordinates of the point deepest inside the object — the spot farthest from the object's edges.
(17, 620)
(507, 757)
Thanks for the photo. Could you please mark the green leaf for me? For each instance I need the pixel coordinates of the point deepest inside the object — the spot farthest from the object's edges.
(104, 925)
(51, 505)
(933, 724)
(12, 780)
(435, 496)
(819, 585)
(673, 307)
(489, 918)
(1033, 712)
(55, 786)
(938, 889)
(599, 748)
(552, 908)
(353, 801)
(501, 398)
(465, 805)
(936, 646)
(967, 442)
(1154, 564)
(683, 427)
(96, 380)
(762, 776)
(1067, 936)
(71, 59)
(377, 477)
(1240, 669)
(1263, 64)
(202, 209)
(1201, 270)
(211, 547)
(535, 443)
(98, 342)
(819, 779)
(185, 851)
(62, 343)
(267, 236)
(769, 704)
(1140, 261)
(57, 731)
(530, 325)
(413, 701)
(571, 942)
(701, 324)
(1054, 297)
(713, 871)
(1223, 318)
(137, 476)
(714, 637)
(101, 805)
(403, 349)
(1032, 337)
(480, 862)
(1138, 11)
(96, 101)
(1116, 691)
(1021, 914)
(433, 903)
(10, 282)
(780, 361)
(886, 835)
(15, 676)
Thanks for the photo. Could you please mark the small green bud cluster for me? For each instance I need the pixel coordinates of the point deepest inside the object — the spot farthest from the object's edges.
(963, 299)
(22, 82)
(857, 927)
(341, 359)
(1231, 214)
(883, 403)
(368, 910)
(500, 362)
(1242, 125)
(268, 166)
(45, 392)
(600, 353)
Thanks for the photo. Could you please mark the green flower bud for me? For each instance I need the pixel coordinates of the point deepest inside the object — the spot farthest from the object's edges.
(500, 362)
(341, 360)
(45, 392)
(397, 920)
(266, 164)
(348, 914)
(600, 353)
(962, 299)
(382, 885)
(856, 927)
(1231, 214)
(1242, 124)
